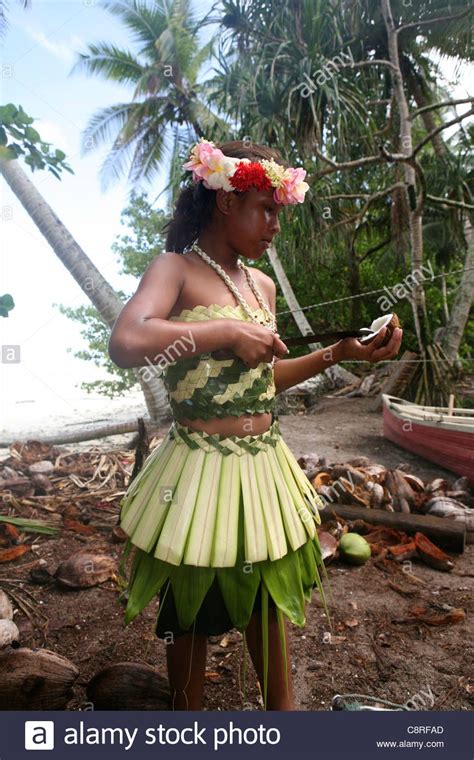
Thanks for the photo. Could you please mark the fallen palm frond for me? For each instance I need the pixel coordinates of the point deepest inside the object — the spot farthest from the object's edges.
(30, 526)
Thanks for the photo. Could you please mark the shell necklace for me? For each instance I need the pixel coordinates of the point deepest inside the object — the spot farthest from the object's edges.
(270, 321)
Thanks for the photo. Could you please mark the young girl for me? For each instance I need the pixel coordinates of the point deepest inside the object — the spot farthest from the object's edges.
(221, 518)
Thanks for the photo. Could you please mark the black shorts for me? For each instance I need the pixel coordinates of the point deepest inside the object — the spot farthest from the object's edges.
(212, 618)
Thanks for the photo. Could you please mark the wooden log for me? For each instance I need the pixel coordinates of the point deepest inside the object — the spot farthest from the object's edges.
(447, 534)
(398, 379)
(88, 432)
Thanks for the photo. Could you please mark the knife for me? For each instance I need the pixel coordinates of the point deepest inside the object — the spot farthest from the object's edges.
(302, 340)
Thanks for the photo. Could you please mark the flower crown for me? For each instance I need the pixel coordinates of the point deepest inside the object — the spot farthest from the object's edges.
(209, 165)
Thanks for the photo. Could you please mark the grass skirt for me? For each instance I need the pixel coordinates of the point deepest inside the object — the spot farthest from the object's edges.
(236, 511)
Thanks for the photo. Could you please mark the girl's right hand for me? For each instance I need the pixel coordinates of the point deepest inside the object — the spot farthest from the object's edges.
(255, 343)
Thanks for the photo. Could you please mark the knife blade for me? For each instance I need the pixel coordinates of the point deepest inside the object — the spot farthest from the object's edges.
(302, 340)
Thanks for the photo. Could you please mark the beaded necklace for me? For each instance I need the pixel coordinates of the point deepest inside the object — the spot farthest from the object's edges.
(270, 321)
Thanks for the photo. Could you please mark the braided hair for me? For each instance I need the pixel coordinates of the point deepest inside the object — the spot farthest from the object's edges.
(195, 205)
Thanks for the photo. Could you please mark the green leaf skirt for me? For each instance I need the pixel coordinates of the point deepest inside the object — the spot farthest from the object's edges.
(224, 521)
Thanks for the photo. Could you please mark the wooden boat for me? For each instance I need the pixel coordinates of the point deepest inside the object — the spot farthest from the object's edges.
(444, 435)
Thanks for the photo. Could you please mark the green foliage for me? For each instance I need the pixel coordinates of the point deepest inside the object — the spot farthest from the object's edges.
(6, 304)
(19, 139)
(144, 239)
(268, 51)
(97, 334)
(286, 77)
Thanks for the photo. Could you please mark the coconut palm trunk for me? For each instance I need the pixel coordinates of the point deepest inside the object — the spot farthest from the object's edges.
(406, 144)
(337, 375)
(462, 304)
(78, 264)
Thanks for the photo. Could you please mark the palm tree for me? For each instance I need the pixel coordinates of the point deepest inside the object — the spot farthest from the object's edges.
(300, 45)
(167, 110)
(166, 102)
(88, 277)
(3, 14)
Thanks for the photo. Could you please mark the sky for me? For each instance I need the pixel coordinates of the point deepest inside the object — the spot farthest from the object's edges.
(39, 50)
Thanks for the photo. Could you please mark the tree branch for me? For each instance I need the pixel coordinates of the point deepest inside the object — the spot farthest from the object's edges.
(360, 214)
(432, 21)
(334, 167)
(374, 249)
(361, 64)
(369, 160)
(449, 202)
(345, 196)
(440, 129)
(411, 160)
(444, 104)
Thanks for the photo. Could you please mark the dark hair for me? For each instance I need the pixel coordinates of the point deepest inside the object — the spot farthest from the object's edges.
(195, 205)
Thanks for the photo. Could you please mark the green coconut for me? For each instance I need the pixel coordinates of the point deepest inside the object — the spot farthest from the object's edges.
(354, 548)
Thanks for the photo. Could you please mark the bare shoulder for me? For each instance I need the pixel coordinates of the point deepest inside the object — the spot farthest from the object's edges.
(166, 266)
(160, 286)
(266, 284)
(263, 280)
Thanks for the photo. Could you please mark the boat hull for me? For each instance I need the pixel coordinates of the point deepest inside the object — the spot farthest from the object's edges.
(450, 448)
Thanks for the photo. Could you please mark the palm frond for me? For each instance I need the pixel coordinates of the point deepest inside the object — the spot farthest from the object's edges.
(146, 21)
(105, 124)
(108, 61)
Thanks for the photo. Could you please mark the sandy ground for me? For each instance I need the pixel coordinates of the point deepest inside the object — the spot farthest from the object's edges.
(377, 648)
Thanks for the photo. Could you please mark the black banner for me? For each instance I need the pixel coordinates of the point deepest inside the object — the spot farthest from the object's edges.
(325, 736)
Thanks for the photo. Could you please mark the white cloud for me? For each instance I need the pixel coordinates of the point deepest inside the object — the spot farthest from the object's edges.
(51, 132)
(64, 50)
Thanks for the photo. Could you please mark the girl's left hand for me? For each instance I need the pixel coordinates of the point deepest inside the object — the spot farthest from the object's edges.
(372, 352)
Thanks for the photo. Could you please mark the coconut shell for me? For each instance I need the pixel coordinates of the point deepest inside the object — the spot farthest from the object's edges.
(6, 609)
(84, 570)
(376, 494)
(321, 479)
(349, 473)
(129, 686)
(9, 633)
(35, 679)
(328, 546)
(391, 326)
(431, 554)
(118, 535)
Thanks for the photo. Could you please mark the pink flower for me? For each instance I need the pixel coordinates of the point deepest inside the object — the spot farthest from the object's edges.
(292, 188)
(209, 164)
(199, 156)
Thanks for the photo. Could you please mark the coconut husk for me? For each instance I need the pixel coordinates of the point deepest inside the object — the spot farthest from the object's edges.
(8, 555)
(35, 679)
(431, 554)
(402, 552)
(430, 617)
(354, 475)
(6, 608)
(401, 492)
(84, 570)
(9, 633)
(129, 686)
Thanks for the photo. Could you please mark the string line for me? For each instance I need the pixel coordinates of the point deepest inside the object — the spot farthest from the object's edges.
(367, 293)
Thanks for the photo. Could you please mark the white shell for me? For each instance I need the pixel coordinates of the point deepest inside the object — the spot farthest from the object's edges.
(377, 325)
(6, 609)
(8, 633)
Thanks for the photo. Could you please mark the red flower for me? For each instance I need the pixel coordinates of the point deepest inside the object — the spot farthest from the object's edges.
(249, 175)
